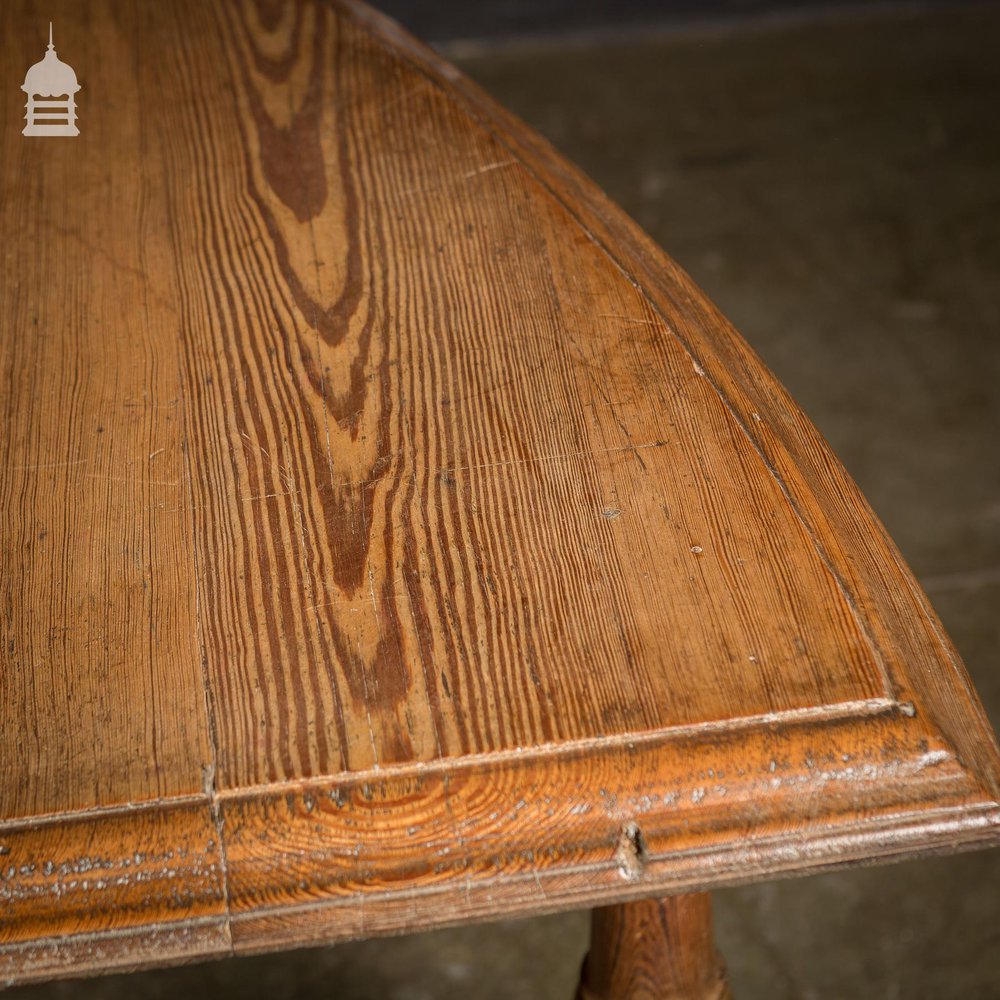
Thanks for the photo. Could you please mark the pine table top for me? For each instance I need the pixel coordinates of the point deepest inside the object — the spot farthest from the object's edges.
(393, 536)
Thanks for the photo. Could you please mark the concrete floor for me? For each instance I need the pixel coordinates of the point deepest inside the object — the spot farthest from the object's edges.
(835, 187)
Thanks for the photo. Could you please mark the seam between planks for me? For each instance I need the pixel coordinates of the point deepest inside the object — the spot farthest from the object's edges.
(210, 770)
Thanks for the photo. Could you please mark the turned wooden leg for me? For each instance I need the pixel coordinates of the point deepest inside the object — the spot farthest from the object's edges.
(654, 949)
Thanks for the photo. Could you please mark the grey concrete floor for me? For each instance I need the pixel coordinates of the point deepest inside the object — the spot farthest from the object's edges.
(835, 188)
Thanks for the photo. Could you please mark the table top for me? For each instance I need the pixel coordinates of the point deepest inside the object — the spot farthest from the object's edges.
(393, 536)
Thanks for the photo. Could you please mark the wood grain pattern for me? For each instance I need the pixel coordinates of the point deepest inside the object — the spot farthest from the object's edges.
(423, 591)
(655, 949)
(387, 525)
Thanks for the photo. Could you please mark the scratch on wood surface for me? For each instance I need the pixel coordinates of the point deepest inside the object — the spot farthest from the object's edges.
(487, 168)
(630, 319)
(269, 496)
(346, 605)
(466, 176)
(598, 384)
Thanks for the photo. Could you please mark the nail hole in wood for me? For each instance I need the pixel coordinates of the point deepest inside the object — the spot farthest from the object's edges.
(631, 852)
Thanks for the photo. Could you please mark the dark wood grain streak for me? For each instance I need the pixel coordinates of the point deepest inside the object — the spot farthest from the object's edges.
(388, 528)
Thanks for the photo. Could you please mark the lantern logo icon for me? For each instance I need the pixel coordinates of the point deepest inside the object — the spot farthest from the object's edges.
(51, 88)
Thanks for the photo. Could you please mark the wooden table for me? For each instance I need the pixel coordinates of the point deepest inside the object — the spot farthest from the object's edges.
(392, 536)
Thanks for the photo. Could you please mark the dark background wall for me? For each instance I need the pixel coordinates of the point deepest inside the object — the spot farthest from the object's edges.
(448, 20)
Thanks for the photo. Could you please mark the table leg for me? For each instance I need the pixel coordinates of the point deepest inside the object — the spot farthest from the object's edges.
(654, 949)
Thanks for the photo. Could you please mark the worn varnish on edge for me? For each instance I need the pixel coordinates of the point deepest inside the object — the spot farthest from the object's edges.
(902, 762)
